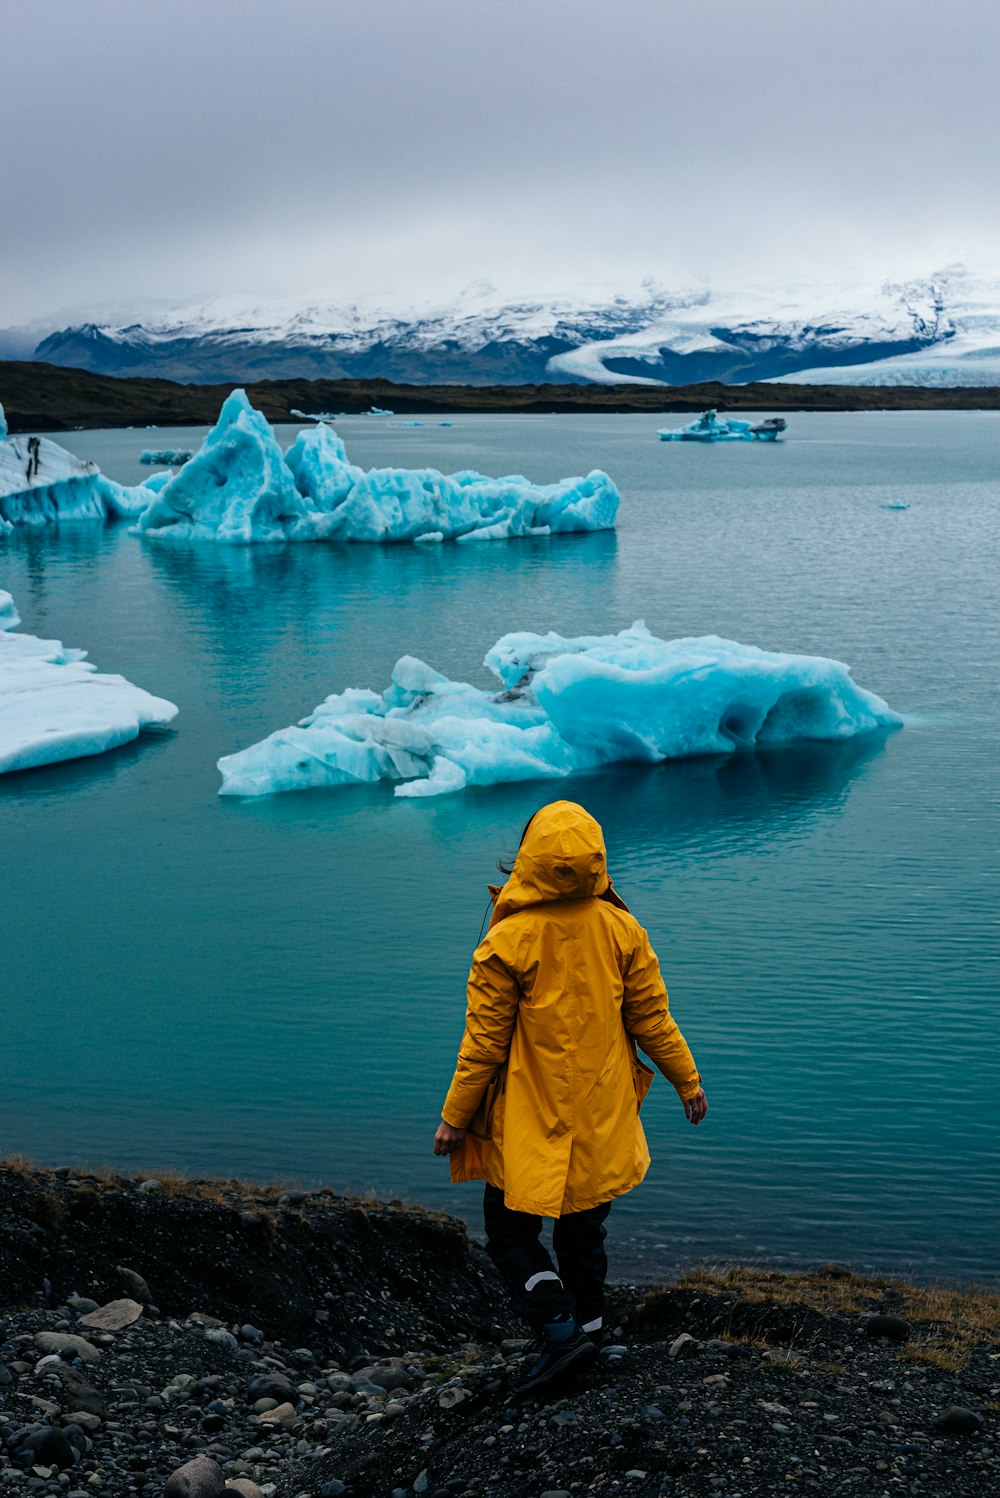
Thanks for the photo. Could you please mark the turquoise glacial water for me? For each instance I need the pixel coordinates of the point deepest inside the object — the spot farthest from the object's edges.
(276, 988)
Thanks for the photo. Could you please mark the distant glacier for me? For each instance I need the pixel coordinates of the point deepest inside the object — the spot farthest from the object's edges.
(941, 330)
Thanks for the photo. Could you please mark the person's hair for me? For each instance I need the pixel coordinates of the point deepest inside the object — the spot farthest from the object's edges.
(503, 867)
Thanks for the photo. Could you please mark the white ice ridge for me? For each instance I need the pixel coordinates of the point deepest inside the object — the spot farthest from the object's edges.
(40, 482)
(54, 705)
(239, 486)
(564, 706)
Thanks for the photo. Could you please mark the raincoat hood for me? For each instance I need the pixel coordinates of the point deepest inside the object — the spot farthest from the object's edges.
(562, 857)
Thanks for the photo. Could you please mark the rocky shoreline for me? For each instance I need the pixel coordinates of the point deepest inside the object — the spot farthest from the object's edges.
(195, 1338)
(49, 397)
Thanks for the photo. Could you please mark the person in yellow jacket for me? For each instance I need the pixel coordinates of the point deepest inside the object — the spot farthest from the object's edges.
(544, 1103)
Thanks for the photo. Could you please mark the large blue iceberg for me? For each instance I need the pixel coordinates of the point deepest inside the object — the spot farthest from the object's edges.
(55, 705)
(711, 427)
(564, 705)
(41, 483)
(240, 487)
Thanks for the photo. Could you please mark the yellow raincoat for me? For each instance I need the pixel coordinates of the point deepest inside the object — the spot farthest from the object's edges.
(548, 1082)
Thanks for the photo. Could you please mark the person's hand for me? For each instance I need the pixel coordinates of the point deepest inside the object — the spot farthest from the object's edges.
(447, 1139)
(696, 1107)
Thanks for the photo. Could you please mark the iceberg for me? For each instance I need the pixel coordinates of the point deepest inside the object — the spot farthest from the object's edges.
(172, 456)
(41, 484)
(711, 427)
(318, 462)
(239, 486)
(55, 705)
(564, 706)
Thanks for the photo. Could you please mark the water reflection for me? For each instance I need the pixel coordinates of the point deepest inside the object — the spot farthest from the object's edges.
(65, 779)
(344, 614)
(40, 551)
(677, 812)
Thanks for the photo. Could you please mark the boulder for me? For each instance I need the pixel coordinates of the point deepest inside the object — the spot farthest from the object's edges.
(114, 1317)
(64, 1345)
(200, 1478)
(893, 1328)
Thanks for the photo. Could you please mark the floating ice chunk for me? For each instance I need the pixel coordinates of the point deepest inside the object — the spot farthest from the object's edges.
(54, 705)
(237, 487)
(566, 705)
(896, 504)
(41, 483)
(173, 456)
(711, 427)
(9, 617)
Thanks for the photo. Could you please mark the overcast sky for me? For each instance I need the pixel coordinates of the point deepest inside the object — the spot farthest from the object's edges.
(177, 149)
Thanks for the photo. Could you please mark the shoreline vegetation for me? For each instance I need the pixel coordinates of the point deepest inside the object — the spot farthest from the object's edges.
(48, 397)
(141, 1318)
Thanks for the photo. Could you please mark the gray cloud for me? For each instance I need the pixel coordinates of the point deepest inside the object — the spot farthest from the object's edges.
(177, 149)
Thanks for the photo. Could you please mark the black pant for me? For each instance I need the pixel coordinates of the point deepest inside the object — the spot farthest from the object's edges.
(540, 1294)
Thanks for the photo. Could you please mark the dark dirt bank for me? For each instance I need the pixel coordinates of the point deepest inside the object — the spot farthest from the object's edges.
(303, 1344)
(47, 397)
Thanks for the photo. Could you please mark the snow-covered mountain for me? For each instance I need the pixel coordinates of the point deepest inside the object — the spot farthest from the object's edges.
(943, 330)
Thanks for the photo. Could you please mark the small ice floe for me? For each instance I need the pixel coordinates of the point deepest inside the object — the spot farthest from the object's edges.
(711, 427)
(563, 706)
(55, 705)
(896, 504)
(41, 484)
(172, 457)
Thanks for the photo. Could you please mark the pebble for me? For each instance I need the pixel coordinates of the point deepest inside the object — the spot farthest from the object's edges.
(449, 1398)
(684, 1346)
(134, 1284)
(273, 1385)
(81, 1304)
(282, 1414)
(219, 1335)
(84, 1419)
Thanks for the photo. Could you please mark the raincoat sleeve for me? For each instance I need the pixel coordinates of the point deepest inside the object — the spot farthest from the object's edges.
(646, 1012)
(489, 1023)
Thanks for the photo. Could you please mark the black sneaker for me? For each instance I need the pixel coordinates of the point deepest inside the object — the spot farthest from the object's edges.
(554, 1360)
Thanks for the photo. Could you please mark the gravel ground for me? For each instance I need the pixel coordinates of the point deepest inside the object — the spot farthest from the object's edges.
(733, 1385)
